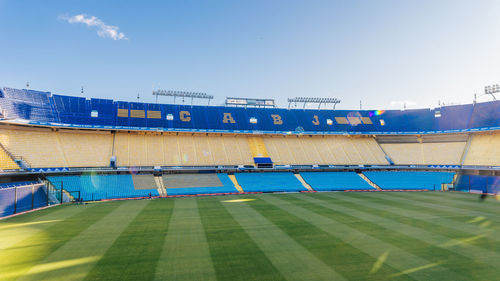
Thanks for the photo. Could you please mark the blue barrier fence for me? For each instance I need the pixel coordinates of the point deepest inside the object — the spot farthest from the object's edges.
(479, 184)
(22, 198)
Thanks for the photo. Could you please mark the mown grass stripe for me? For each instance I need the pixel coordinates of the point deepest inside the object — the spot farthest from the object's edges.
(16, 229)
(185, 254)
(398, 258)
(365, 204)
(299, 263)
(492, 211)
(134, 254)
(348, 261)
(414, 199)
(418, 247)
(486, 223)
(409, 217)
(457, 226)
(456, 215)
(453, 250)
(413, 208)
(235, 255)
(82, 251)
(386, 198)
(464, 197)
(18, 259)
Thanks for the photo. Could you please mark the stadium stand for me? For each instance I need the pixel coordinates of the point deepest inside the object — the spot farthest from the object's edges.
(133, 149)
(40, 108)
(335, 181)
(410, 180)
(98, 187)
(189, 184)
(424, 150)
(47, 131)
(269, 182)
(41, 147)
(341, 150)
(27, 105)
(484, 150)
(425, 153)
(85, 148)
(45, 148)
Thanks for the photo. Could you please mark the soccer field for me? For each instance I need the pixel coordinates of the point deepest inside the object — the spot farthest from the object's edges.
(309, 236)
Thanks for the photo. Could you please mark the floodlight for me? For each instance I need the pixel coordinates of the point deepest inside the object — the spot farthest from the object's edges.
(319, 101)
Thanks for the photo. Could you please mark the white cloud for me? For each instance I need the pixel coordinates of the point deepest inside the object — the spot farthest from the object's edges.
(103, 30)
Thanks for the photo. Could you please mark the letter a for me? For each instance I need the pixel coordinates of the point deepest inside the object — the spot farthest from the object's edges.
(228, 118)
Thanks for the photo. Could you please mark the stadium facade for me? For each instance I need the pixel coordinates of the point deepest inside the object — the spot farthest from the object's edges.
(96, 149)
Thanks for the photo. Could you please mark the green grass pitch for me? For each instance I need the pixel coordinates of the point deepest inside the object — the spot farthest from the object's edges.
(310, 236)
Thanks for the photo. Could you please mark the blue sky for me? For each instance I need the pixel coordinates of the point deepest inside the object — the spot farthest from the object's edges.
(381, 52)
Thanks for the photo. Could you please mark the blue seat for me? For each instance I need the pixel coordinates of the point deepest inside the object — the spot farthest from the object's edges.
(228, 187)
(331, 181)
(269, 182)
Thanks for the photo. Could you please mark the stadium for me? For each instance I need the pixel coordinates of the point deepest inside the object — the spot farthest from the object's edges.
(249, 140)
(252, 193)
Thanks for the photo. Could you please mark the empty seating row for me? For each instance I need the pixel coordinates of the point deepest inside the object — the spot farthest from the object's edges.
(335, 150)
(97, 187)
(181, 150)
(484, 150)
(445, 153)
(45, 148)
(27, 105)
(190, 184)
(269, 182)
(333, 181)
